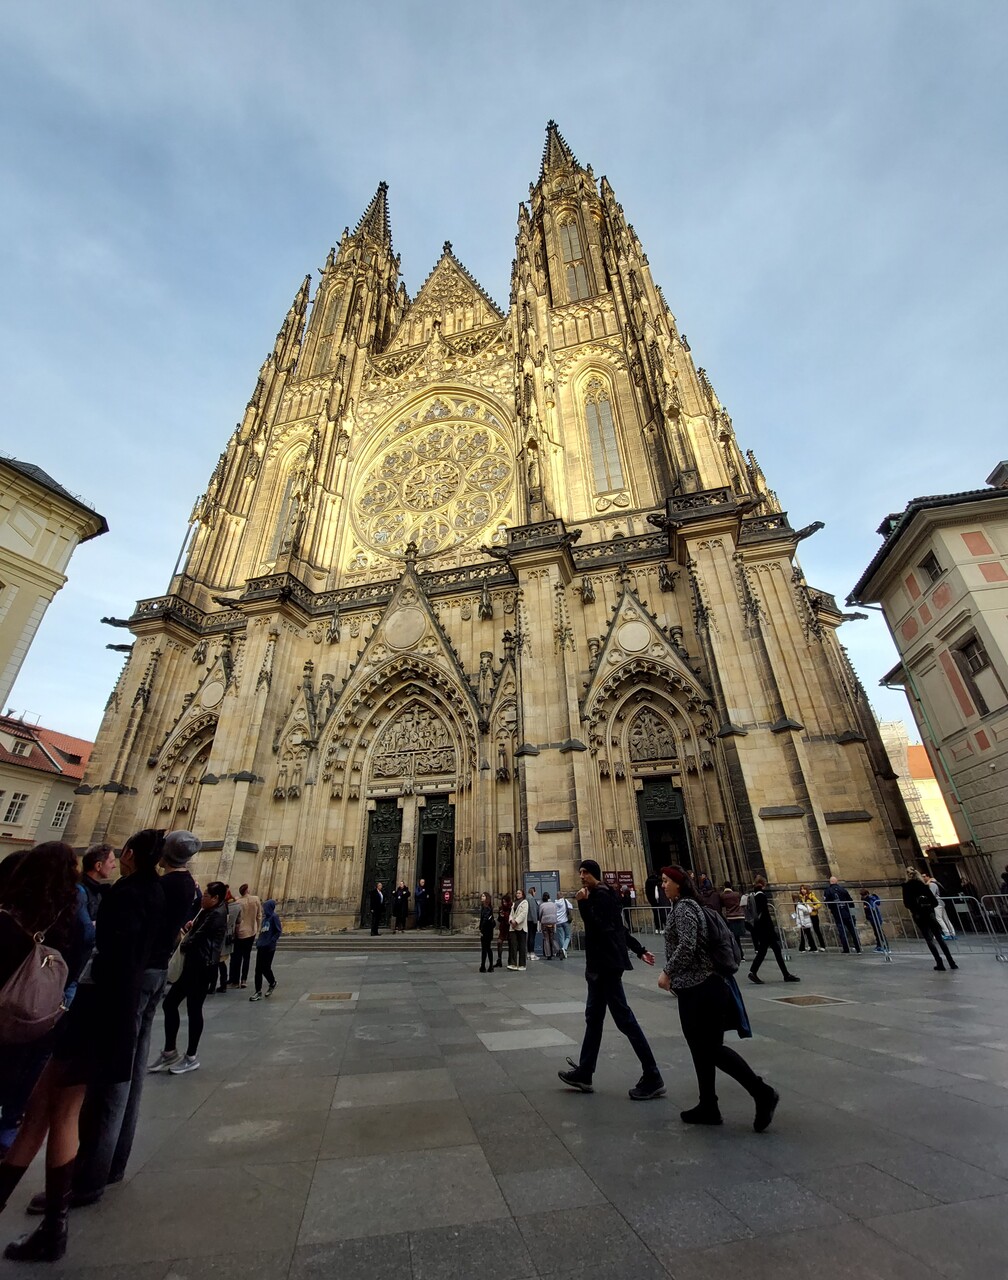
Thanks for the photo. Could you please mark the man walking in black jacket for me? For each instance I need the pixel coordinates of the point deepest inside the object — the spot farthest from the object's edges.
(606, 960)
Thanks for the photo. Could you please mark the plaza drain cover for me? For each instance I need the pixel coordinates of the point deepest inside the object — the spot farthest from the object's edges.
(805, 1000)
(316, 996)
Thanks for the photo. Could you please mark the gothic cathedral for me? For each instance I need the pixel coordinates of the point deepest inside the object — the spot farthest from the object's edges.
(473, 591)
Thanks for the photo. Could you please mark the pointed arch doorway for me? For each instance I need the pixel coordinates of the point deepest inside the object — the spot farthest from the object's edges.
(435, 848)
(664, 829)
(381, 858)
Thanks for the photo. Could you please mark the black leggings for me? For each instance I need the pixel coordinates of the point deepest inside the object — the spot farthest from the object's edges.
(264, 967)
(930, 930)
(703, 1011)
(486, 951)
(192, 988)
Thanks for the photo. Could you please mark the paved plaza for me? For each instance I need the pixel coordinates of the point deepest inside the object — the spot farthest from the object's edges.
(415, 1127)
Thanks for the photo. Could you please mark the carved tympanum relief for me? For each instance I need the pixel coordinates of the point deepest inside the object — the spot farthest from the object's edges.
(417, 745)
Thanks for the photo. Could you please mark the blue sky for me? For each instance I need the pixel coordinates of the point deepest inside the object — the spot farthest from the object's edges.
(821, 191)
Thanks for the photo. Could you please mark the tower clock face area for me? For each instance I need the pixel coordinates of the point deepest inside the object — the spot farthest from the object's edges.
(438, 478)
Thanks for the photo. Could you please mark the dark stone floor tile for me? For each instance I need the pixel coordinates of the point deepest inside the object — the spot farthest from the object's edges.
(959, 1241)
(376, 1130)
(862, 1191)
(941, 1176)
(377, 1258)
(599, 1238)
(538, 1190)
(775, 1204)
(487, 1251)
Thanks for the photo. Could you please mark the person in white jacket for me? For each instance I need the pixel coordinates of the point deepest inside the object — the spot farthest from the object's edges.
(944, 923)
(518, 932)
(802, 915)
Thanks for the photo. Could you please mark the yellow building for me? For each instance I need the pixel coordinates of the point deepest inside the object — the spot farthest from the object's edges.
(477, 589)
(41, 525)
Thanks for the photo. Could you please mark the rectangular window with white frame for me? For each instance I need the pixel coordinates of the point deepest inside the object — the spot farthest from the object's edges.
(62, 814)
(16, 806)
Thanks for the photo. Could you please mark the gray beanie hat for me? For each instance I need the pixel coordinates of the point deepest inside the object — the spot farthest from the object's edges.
(178, 848)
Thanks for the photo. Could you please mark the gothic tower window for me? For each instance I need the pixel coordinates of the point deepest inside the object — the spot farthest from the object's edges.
(602, 442)
(573, 255)
(327, 329)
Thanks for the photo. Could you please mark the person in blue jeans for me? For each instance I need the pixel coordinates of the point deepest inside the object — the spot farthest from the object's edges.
(266, 945)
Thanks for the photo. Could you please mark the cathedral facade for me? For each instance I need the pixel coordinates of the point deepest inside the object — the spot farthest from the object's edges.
(473, 591)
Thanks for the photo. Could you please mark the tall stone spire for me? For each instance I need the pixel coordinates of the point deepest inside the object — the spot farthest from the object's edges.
(374, 222)
(556, 152)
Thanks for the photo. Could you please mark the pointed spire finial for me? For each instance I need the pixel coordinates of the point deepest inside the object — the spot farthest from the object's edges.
(556, 151)
(446, 248)
(375, 219)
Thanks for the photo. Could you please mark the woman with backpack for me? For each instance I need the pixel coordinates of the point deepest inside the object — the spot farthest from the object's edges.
(266, 945)
(201, 948)
(709, 1005)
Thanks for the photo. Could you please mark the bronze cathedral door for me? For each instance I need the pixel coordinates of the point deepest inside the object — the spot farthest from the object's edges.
(382, 857)
(663, 825)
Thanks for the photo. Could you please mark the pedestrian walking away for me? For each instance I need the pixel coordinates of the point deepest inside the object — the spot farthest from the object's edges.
(872, 906)
(734, 914)
(245, 934)
(201, 947)
(266, 945)
(710, 1004)
(563, 927)
(487, 922)
(920, 902)
(547, 926)
(607, 942)
(841, 908)
(760, 921)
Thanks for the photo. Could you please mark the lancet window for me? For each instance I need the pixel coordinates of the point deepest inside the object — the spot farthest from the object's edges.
(572, 251)
(602, 441)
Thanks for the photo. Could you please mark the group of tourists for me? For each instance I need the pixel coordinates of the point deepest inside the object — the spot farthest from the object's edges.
(85, 962)
(426, 906)
(518, 922)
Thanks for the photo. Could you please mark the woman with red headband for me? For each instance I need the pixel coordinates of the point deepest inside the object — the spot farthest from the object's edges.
(709, 1005)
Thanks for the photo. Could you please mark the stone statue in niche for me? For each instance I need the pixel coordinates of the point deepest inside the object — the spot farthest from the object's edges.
(667, 577)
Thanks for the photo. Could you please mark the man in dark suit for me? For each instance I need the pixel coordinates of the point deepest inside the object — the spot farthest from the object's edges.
(377, 908)
(606, 960)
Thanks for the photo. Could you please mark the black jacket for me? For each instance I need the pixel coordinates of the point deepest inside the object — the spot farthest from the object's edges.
(378, 903)
(487, 922)
(918, 898)
(202, 944)
(607, 938)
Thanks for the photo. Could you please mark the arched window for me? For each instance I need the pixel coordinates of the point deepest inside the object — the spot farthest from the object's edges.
(572, 252)
(606, 466)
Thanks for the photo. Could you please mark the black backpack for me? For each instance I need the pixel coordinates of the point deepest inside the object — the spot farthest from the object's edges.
(722, 945)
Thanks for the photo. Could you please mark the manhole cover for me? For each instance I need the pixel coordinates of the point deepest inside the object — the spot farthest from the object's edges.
(316, 996)
(803, 1000)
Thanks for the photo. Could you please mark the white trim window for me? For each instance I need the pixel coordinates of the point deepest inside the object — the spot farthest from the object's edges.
(62, 814)
(15, 808)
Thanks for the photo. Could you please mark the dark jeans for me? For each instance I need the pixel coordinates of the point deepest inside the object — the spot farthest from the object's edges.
(876, 924)
(701, 1015)
(264, 967)
(930, 931)
(806, 936)
(486, 951)
(241, 954)
(377, 918)
(533, 929)
(192, 988)
(763, 943)
(817, 930)
(218, 977)
(108, 1118)
(605, 991)
(845, 926)
(738, 930)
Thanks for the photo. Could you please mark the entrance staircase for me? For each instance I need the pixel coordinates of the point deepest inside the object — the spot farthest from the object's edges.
(360, 942)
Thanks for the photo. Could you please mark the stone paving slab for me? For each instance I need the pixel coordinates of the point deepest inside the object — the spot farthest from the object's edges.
(419, 1131)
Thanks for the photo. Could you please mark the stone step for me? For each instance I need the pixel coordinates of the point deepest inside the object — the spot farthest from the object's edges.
(362, 943)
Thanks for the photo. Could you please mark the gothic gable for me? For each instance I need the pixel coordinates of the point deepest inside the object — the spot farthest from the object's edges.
(450, 301)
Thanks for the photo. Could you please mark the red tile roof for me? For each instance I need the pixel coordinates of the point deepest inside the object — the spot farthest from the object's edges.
(51, 752)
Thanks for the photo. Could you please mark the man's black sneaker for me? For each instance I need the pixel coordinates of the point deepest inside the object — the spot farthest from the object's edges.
(648, 1087)
(575, 1078)
(701, 1115)
(791, 977)
(753, 977)
(766, 1105)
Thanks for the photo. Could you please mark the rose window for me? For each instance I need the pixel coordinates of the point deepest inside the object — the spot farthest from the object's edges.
(438, 479)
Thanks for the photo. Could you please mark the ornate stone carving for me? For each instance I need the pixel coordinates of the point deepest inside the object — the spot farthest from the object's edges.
(416, 746)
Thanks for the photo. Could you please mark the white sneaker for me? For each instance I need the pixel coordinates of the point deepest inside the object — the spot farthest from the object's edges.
(512, 967)
(187, 1064)
(164, 1061)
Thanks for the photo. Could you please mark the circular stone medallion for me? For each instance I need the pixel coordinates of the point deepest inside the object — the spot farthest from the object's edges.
(633, 637)
(405, 627)
(212, 694)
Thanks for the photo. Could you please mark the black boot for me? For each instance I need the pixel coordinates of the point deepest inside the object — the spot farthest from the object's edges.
(10, 1176)
(48, 1242)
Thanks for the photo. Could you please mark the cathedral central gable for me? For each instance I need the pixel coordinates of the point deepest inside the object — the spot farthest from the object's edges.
(449, 300)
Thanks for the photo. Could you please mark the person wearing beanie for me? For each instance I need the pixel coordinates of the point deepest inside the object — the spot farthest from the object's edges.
(607, 941)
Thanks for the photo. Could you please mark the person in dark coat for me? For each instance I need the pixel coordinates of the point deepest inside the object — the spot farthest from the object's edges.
(487, 922)
(503, 926)
(709, 1005)
(841, 907)
(266, 945)
(201, 948)
(400, 906)
(377, 904)
(420, 897)
(606, 942)
(920, 902)
(95, 1043)
(764, 933)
